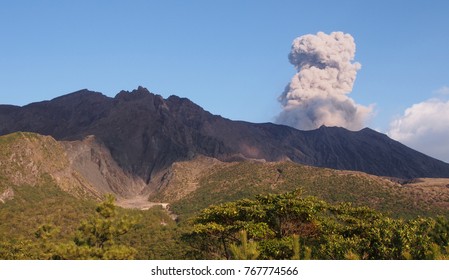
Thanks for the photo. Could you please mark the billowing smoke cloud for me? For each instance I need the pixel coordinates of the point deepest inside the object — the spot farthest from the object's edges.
(317, 94)
(424, 127)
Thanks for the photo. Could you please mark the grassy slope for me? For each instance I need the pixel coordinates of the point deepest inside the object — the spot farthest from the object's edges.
(33, 206)
(25, 157)
(246, 179)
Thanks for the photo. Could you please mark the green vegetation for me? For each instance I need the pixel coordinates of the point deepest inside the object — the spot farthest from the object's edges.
(97, 237)
(289, 226)
(44, 222)
(33, 206)
(246, 179)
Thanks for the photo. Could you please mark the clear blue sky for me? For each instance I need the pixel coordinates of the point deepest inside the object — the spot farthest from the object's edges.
(230, 57)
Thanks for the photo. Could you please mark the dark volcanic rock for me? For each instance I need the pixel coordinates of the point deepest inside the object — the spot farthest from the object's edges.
(147, 133)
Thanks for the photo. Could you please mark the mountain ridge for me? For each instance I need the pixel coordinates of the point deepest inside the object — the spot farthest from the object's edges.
(146, 134)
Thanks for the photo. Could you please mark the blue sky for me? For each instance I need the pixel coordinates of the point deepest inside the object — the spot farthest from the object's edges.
(230, 57)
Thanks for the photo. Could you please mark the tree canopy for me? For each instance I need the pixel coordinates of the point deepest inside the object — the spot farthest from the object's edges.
(276, 226)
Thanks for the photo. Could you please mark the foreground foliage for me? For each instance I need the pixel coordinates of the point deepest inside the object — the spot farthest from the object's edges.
(288, 226)
(44, 222)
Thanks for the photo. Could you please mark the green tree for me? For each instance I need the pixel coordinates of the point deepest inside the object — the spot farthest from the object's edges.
(246, 250)
(271, 219)
(288, 226)
(97, 237)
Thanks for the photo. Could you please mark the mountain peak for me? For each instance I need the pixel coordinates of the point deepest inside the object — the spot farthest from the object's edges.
(83, 93)
(138, 93)
(141, 91)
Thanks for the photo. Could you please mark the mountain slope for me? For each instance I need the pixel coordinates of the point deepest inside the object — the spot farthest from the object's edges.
(85, 169)
(81, 168)
(195, 184)
(145, 134)
(31, 159)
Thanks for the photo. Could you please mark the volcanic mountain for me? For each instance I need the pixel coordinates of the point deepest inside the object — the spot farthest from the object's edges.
(146, 134)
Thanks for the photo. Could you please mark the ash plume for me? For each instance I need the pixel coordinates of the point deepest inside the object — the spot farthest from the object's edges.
(318, 93)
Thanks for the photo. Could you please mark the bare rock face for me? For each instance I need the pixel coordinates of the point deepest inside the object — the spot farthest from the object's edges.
(93, 162)
(145, 134)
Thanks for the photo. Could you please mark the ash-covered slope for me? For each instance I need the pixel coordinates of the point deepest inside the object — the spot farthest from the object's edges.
(146, 134)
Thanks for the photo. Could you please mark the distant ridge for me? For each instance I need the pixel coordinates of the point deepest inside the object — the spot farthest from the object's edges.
(146, 133)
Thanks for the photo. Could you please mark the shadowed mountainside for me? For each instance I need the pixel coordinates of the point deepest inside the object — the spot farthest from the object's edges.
(146, 133)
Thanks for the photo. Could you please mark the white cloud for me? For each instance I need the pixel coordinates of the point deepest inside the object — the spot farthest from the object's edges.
(444, 90)
(424, 127)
